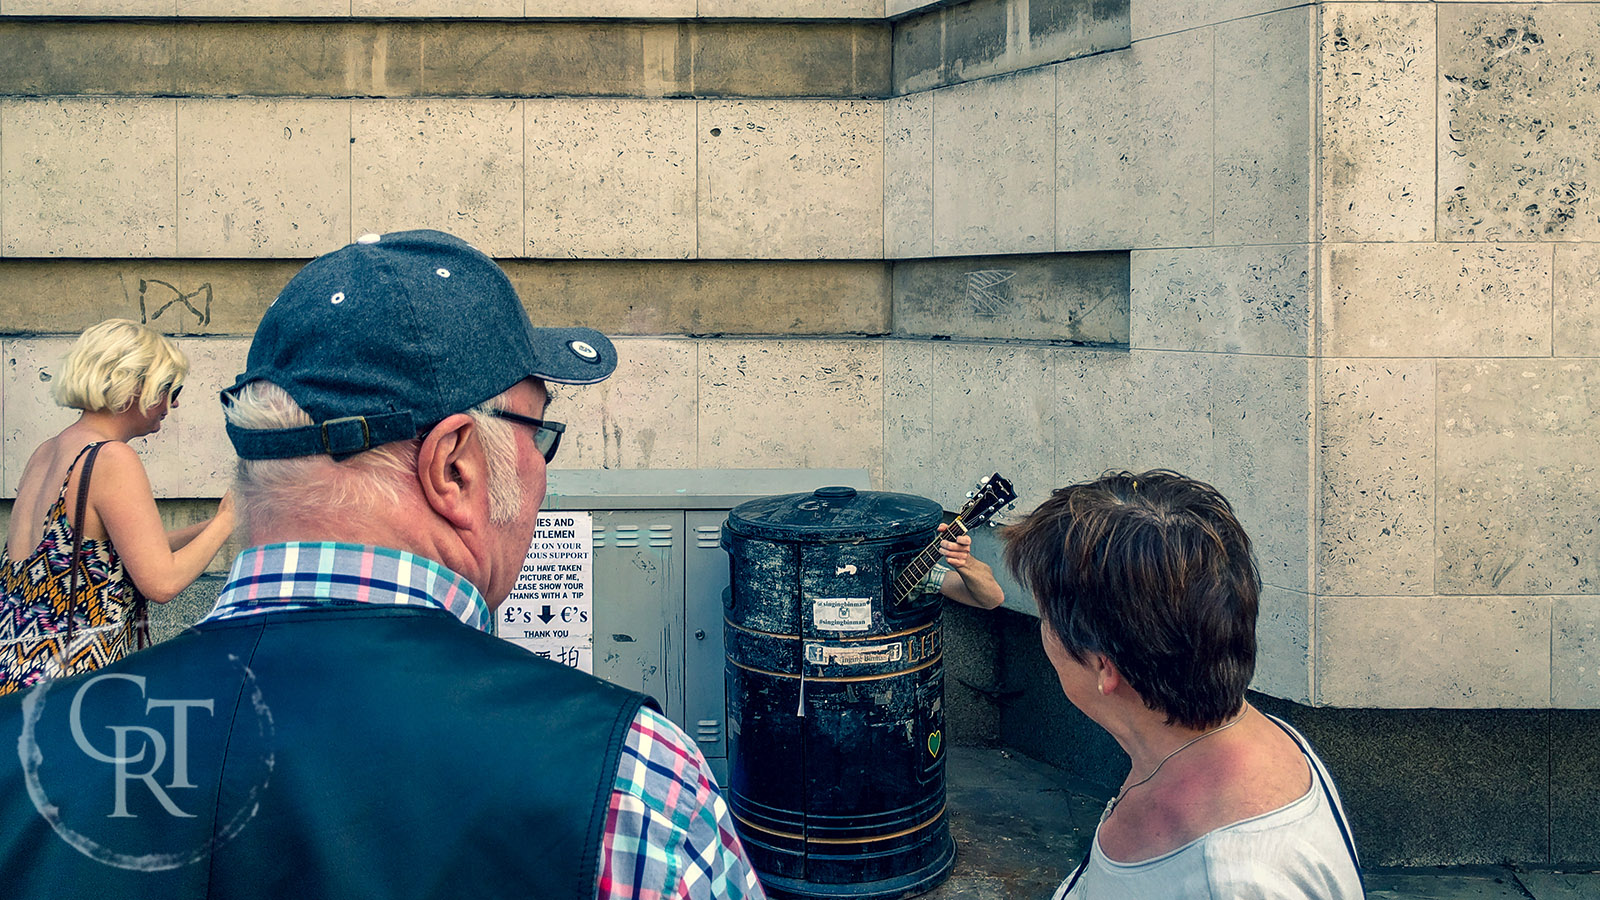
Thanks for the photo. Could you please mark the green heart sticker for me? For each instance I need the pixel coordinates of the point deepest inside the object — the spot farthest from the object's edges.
(934, 741)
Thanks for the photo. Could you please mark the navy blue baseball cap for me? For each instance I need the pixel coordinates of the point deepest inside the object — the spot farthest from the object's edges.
(386, 337)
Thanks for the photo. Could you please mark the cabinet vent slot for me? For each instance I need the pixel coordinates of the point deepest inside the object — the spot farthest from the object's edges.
(661, 535)
(708, 731)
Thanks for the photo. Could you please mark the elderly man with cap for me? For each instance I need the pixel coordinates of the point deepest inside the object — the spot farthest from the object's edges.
(341, 724)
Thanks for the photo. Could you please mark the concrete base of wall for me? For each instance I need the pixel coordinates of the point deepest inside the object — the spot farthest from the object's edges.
(189, 607)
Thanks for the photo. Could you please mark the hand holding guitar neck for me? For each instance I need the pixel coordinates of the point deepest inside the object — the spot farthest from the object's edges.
(970, 580)
(974, 583)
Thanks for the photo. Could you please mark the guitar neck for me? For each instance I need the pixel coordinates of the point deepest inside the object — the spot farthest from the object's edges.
(919, 567)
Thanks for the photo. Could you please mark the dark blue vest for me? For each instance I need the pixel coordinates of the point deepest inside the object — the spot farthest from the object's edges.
(383, 752)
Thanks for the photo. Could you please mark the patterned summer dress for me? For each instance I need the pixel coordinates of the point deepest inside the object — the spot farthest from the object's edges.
(33, 609)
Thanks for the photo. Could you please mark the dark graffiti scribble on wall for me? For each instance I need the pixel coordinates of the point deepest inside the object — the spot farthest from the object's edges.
(153, 291)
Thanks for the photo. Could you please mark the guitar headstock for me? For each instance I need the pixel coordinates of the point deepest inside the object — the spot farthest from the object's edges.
(991, 496)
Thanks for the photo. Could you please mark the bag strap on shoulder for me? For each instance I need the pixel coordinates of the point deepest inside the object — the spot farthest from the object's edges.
(1077, 873)
(1327, 792)
(77, 532)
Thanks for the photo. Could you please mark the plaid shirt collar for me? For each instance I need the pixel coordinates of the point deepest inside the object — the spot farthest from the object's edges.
(310, 575)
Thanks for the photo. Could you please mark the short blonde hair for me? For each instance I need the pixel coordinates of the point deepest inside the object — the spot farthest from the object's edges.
(115, 363)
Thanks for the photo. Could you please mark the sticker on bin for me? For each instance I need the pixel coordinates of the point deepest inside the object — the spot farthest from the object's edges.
(842, 613)
(823, 655)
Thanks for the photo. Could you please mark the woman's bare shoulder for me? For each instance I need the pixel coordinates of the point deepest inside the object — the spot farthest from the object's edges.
(1259, 769)
(117, 453)
(122, 468)
(1269, 773)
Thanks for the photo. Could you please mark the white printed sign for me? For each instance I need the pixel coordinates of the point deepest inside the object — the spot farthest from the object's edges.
(551, 610)
(842, 613)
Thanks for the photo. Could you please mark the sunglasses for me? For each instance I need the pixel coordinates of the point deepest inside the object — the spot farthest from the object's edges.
(172, 395)
(546, 435)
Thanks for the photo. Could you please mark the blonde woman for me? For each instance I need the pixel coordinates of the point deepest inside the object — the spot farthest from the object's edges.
(99, 552)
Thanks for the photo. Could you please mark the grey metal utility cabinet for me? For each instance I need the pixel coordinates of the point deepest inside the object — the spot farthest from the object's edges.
(659, 574)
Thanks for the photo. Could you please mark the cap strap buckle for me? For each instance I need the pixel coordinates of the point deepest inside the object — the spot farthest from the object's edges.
(339, 436)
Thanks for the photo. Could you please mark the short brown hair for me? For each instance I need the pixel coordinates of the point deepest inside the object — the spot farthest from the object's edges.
(1154, 572)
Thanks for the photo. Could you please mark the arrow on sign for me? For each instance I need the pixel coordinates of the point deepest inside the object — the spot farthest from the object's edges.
(546, 615)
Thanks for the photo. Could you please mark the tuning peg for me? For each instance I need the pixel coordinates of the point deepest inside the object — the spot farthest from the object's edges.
(984, 480)
(972, 495)
(993, 523)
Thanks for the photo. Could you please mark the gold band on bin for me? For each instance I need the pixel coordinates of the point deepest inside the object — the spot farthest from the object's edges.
(867, 840)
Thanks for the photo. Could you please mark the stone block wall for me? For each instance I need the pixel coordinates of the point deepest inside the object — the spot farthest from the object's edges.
(707, 185)
(1458, 492)
(1337, 258)
(1189, 151)
(257, 179)
(1360, 304)
(1328, 256)
(496, 9)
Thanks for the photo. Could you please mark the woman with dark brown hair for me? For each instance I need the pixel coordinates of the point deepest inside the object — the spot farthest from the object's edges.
(1147, 597)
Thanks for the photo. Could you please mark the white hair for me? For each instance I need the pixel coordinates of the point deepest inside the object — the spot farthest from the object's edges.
(371, 477)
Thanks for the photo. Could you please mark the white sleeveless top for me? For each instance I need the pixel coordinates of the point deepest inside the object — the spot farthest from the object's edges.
(1297, 851)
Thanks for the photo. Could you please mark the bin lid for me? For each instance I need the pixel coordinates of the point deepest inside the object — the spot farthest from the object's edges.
(835, 514)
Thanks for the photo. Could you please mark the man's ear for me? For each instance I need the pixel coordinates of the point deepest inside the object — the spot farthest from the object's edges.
(452, 471)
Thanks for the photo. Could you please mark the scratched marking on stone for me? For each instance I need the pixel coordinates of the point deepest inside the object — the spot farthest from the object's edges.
(990, 291)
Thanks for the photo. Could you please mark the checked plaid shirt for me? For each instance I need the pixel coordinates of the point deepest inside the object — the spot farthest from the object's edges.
(668, 833)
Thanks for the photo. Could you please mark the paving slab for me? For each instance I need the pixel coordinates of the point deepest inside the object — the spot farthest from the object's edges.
(1430, 884)
(1019, 825)
(1561, 884)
